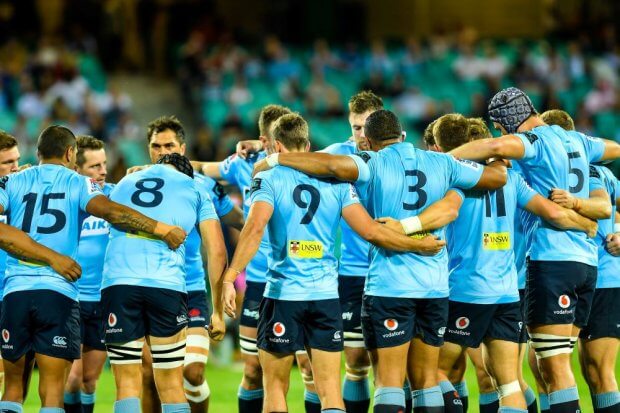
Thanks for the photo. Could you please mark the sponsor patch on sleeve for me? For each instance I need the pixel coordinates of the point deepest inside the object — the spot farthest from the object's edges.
(256, 185)
(93, 186)
(594, 172)
(530, 136)
(3, 181)
(365, 157)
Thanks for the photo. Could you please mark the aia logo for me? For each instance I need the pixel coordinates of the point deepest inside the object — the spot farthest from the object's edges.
(391, 324)
(564, 301)
(462, 323)
(6, 336)
(112, 320)
(194, 312)
(279, 329)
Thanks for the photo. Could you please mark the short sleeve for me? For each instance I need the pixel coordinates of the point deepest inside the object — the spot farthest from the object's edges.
(463, 173)
(348, 195)
(206, 210)
(595, 147)
(363, 161)
(221, 201)
(525, 193)
(458, 192)
(528, 139)
(4, 195)
(228, 168)
(596, 179)
(262, 189)
(89, 189)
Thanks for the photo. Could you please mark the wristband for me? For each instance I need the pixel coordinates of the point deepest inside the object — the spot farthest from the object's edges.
(617, 227)
(411, 225)
(272, 160)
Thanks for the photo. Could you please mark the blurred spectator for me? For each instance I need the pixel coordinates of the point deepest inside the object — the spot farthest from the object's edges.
(468, 66)
(322, 98)
(239, 94)
(602, 98)
(323, 58)
(378, 60)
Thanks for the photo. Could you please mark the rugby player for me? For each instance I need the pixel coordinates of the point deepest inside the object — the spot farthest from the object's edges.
(562, 266)
(405, 301)
(46, 201)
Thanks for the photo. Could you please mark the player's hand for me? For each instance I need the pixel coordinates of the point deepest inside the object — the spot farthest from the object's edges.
(66, 267)
(229, 299)
(244, 148)
(172, 235)
(392, 224)
(612, 244)
(136, 169)
(217, 327)
(592, 228)
(430, 245)
(505, 162)
(260, 166)
(563, 198)
(25, 166)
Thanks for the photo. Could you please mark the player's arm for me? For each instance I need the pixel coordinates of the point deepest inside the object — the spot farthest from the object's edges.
(598, 206)
(129, 219)
(217, 259)
(322, 165)
(19, 244)
(560, 217)
(494, 176)
(210, 169)
(249, 242)
(247, 147)
(358, 219)
(234, 218)
(612, 241)
(507, 147)
(612, 150)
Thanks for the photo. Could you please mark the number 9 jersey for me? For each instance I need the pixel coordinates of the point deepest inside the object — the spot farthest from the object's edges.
(48, 202)
(166, 195)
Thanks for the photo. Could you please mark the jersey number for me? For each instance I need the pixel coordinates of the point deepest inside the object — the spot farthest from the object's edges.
(313, 205)
(501, 203)
(575, 171)
(31, 200)
(417, 188)
(155, 197)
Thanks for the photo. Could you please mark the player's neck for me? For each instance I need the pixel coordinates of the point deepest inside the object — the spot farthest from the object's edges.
(531, 123)
(53, 161)
(384, 144)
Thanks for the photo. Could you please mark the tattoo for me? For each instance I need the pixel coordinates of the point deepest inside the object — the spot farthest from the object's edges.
(129, 220)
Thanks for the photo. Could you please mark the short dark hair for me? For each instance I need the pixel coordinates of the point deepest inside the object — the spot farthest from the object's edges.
(54, 141)
(478, 129)
(364, 101)
(428, 137)
(558, 117)
(7, 141)
(451, 131)
(382, 125)
(87, 143)
(164, 123)
(268, 115)
(291, 130)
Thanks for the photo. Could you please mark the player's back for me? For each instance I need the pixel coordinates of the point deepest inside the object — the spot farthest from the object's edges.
(302, 232)
(163, 194)
(47, 202)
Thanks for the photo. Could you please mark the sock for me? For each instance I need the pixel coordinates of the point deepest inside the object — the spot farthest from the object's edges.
(312, 402)
(489, 402)
(88, 402)
(72, 402)
(463, 391)
(51, 410)
(175, 408)
(428, 400)
(451, 399)
(544, 403)
(408, 398)
(511, 410)
(129, 405)
(250, 401)
(389, 400)
(607, 402)
(564, 401)
(530, 400)
(10, 407)
(356, 395)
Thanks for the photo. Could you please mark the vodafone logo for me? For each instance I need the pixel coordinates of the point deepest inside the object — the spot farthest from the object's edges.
(5, 335)
(391, 324)
(564, 301)
(462, 323)
(112, 320)
(279, 329)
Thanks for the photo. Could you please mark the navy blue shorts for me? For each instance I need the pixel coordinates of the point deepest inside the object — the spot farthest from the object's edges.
(198, 309)
(469, 324)
(91, 325)
(524, 336)
(559, 292)
(351, 292)
(251, 304)
(132, 312)
(605, 315)
(41, 321)
(289, 326)
(391, 322)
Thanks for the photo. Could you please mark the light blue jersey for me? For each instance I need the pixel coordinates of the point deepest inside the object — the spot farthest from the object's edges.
(401, 181)
(555, 158)
(91, 253)
(608, 265)
(194, 268)
(525, 224)
(302, 229)
(354, 249)
(3, 257)
(166, 195)
(48, 202)
(238, 172)
(480, 244)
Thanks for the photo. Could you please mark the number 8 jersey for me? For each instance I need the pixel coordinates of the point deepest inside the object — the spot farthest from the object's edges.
(48, 202)
(166, 195)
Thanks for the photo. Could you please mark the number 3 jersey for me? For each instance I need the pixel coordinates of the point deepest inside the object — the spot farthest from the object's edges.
(401, 181)
(555, 158)
(48, 202)
(302, 231)
(166, 195)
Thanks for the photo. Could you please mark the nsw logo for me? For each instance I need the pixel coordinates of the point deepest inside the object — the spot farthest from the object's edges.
(279, 329)
(6, 336)
(112, 320)
(462, 323)
(564, 301)
(390, 324)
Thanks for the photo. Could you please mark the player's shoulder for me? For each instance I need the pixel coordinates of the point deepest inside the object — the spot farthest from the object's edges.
(347, 147)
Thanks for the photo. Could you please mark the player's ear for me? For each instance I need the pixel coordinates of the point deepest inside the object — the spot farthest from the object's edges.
(308, 146)
(70, 154)
(183, 147)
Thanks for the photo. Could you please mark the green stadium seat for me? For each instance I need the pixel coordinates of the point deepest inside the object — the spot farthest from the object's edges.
(8, 121)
